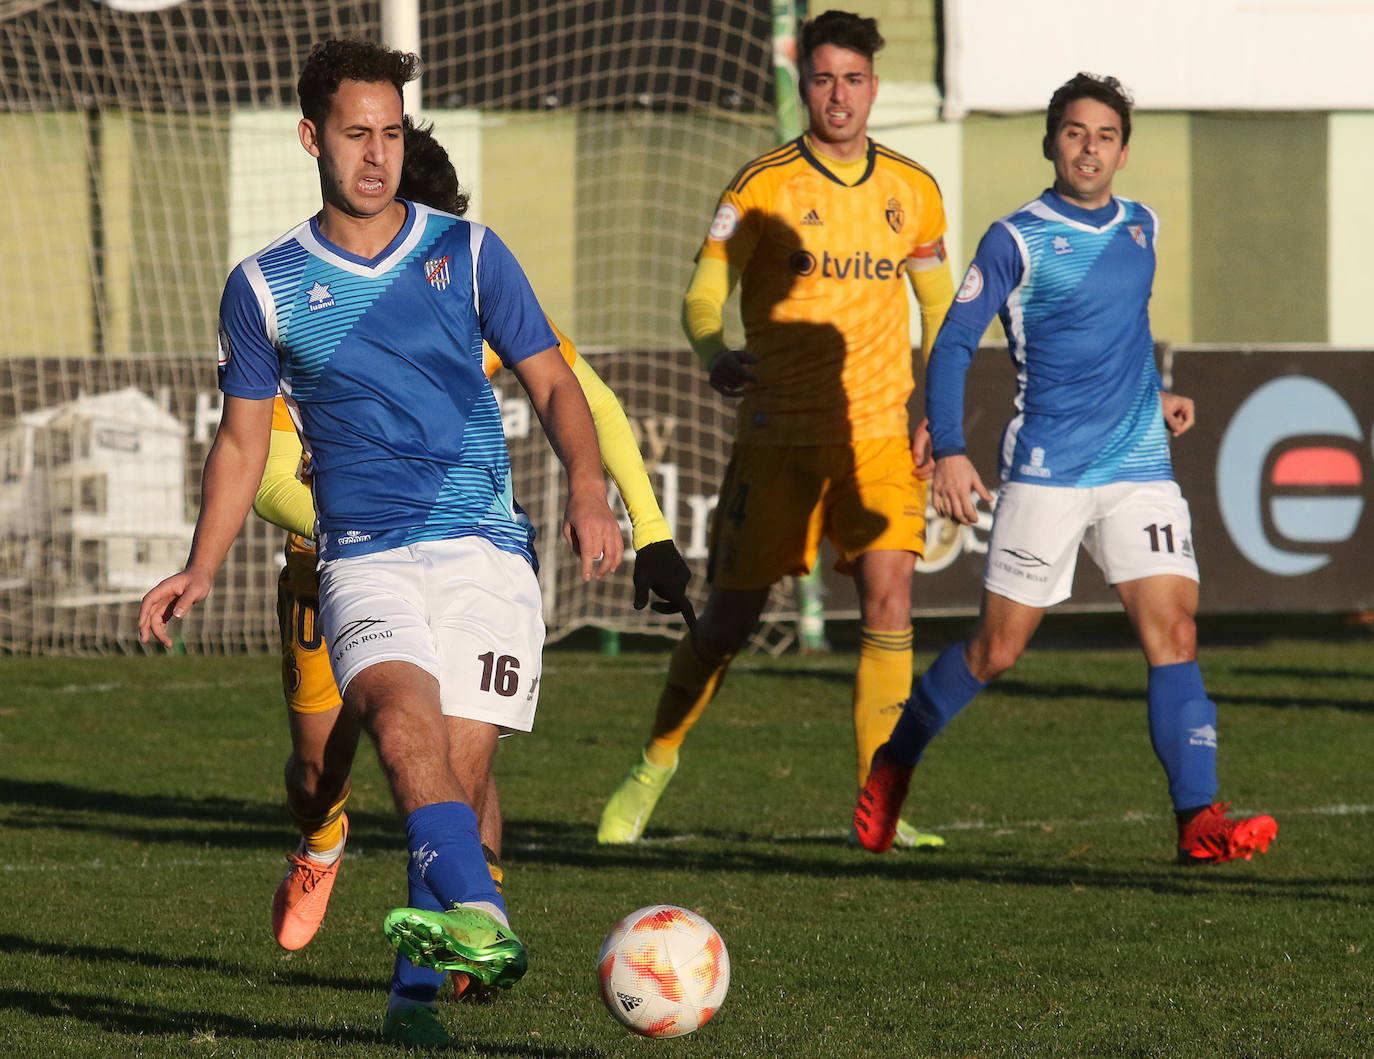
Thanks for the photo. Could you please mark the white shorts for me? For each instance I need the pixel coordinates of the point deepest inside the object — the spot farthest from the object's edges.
(462, 610)
(1131, 530)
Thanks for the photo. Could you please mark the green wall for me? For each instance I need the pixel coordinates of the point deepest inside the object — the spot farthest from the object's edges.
(1259, 227)
(45, 297)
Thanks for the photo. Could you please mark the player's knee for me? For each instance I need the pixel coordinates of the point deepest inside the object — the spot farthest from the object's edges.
(1172, 640)
(724, 629)
(990, 654)
(887, 610)
(722, 641)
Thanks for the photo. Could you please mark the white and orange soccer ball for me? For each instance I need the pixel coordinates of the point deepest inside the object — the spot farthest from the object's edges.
(664, 971)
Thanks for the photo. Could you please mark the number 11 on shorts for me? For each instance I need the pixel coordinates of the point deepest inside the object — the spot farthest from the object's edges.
(1161, 533)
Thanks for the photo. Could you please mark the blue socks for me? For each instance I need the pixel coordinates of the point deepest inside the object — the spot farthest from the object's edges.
(943, 690)
(1183, 731)
(446, 855)
(413, 986)
(447, 867)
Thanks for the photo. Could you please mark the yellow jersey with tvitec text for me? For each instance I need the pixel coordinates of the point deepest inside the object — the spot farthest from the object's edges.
(823, 290)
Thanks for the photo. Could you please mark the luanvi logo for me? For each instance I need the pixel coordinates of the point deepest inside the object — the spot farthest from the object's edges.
(1291, 475)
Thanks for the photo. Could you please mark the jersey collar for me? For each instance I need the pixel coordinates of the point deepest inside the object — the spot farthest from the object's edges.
(403, 242)
(817, 164)
(1098, 219)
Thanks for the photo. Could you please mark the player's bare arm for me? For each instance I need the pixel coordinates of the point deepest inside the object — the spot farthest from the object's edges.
(233, 470)
(588, 525)
(953, 488)
(922, 455)
(1179, 412)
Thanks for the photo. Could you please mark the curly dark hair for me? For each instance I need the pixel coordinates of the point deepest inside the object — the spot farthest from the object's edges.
(1106, 90)
(331, 62)
(427, 174)
(843, 29)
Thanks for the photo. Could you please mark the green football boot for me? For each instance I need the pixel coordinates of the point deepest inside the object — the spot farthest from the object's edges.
(629, 808)
(461, 939)
(908, 837)
(416, 1027)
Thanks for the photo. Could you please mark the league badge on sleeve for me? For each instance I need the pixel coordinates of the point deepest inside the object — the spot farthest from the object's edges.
(724, 223)
(225, 349)
(972, 285)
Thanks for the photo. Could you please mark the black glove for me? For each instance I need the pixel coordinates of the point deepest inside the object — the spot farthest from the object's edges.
(660, 569)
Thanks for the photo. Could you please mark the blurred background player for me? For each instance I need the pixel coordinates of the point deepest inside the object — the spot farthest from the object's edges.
(818, 233)
(370, 319)
(1085, 460)
(324, 739)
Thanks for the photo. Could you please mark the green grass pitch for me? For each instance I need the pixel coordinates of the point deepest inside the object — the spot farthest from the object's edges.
(142, 834)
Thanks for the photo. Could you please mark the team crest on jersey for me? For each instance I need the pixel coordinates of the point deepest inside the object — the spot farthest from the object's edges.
(895, 217)
(320, 298)
(437, 273)
(1138, 234)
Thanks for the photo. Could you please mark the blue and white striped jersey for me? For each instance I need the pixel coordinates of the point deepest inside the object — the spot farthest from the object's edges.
(1072, 288)
(381, 364)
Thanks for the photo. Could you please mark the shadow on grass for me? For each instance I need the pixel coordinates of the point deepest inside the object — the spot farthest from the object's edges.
(216, 1028)
(1015, 688)
(1026, 689)
(95, 954)
(225, 823)
(545, 842)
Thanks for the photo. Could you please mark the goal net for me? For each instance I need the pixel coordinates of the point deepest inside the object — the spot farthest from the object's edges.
(154, 146)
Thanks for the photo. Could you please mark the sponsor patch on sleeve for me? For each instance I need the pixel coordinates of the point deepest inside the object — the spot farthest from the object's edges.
(725, 222)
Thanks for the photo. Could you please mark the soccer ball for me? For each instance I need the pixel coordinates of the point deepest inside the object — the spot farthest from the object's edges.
(663, 970)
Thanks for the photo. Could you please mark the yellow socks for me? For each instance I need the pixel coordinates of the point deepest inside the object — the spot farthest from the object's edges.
(694, 677)
(881, 687)
(323, 835)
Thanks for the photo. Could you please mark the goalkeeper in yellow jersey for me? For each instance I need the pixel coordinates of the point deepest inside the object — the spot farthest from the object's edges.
(821, 234)
(323, 736)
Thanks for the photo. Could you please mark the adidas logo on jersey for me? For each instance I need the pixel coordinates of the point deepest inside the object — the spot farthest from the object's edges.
(811, 217)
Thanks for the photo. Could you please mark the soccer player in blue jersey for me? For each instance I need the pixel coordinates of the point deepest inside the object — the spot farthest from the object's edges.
(1084, 461)
(370, 319)
(323, 737)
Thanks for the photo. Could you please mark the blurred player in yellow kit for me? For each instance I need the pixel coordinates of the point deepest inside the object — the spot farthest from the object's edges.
(324, 738)
(821, 234)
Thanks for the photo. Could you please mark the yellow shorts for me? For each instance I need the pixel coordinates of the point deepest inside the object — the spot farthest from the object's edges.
(777, 501)
(306, 678)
